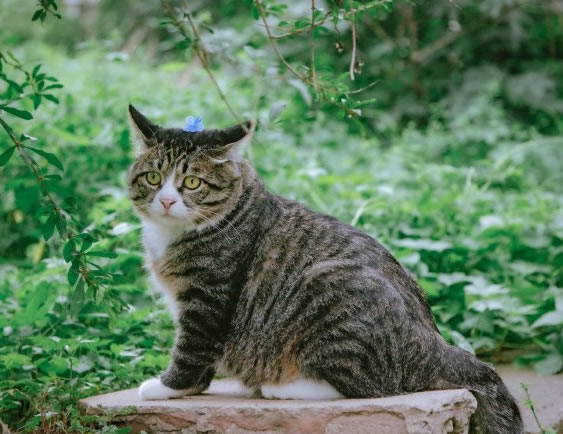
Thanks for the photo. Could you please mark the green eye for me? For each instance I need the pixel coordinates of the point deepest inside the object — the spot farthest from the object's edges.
(153, 178)
(192, 182)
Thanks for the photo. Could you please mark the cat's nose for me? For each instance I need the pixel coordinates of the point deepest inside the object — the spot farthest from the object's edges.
(167, 203)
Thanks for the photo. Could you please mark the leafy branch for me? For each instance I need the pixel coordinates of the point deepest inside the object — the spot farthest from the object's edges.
(86, 277)
(325, 90)
(46, 7)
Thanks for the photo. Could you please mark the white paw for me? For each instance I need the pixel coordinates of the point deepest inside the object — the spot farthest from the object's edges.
(154, 389)
(300, 388)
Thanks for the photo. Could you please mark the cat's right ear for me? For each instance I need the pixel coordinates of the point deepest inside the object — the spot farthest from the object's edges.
(142, 131)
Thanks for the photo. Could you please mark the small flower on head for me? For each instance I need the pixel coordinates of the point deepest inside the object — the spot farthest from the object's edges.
(194, 124)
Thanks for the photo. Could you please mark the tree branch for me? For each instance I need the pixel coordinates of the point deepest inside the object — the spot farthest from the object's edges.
(353, 59)
(199, 49)
(275, 45)
(313, 73)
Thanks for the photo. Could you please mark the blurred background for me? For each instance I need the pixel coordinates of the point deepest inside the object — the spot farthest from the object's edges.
(435, 127)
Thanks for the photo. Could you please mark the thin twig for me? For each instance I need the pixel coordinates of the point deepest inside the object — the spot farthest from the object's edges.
(305, 79)
(327, 15)
(531, 406)
(305, 29)
(199, 49)
(422, 55)
(275, 45)
(313, 73)
(202, 54)
(353, 59)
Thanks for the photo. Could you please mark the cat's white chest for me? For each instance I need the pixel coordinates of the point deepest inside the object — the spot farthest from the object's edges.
(156, 239)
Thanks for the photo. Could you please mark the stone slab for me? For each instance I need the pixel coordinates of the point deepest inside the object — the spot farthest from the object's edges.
(224, 410)
(546, 393)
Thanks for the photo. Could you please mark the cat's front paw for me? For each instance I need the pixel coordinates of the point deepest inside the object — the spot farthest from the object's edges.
(154, 389)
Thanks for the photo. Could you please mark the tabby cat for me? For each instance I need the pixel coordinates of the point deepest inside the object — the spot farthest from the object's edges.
(295, 304)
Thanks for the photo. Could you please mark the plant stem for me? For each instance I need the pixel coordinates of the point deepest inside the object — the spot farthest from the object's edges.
(199, 49)
(532, 407)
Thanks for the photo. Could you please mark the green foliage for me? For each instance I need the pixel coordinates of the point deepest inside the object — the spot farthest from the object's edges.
(452, 159)
(50, 214)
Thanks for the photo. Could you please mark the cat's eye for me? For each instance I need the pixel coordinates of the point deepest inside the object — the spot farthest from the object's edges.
(153, 178)
(192, 182)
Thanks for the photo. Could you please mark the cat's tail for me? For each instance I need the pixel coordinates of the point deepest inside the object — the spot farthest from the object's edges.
(497, 412)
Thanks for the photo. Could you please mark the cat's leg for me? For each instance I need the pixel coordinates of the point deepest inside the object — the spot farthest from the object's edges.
(301, 388)
(198, 346)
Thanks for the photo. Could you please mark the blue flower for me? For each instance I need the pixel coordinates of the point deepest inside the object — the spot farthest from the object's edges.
(194, 124)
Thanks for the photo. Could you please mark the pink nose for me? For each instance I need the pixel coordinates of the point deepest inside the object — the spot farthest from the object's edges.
(167, 203)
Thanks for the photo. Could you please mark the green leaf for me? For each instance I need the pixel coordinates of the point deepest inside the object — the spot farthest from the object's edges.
(78, 296)
(36, 305)
(49, 227)
(15, 361)
(17, 112)
(69, 204)
(36, 98)
(423, 244)
(35, 70)
(183, 44)
(54, 86)
(38, 15)
(6, 155)
(14, 85)
(276, 109)
(551, 365)
(461, 342)
(60, 224)
(53, 177)
(255, 12)
(553, 318)
(301, 24)
(86, 243)
(24, 137)
(51, 158)
(68, 250)
(51, 98)
(102, 254)
(55, 366)
(73, 273)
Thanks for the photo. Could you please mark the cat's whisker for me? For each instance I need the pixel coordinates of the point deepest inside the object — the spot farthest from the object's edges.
(215, 225)
(238, 234)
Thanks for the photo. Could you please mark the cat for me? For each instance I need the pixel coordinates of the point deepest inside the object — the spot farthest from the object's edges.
(295, 304)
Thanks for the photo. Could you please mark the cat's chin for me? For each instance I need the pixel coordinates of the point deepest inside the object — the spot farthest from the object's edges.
(171, 221)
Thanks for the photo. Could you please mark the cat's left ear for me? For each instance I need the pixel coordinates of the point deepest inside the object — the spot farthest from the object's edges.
(142, 130)
(231, 140)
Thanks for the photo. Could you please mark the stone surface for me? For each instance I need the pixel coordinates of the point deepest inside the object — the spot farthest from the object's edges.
(546, 392)
(224, 410)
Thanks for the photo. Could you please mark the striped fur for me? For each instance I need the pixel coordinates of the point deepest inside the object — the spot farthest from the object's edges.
(271, 292)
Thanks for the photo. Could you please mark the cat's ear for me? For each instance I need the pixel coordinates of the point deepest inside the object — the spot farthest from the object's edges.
(142, 130)
(231, 140)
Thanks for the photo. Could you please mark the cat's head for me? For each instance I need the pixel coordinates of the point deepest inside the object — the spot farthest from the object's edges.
(181, 178)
